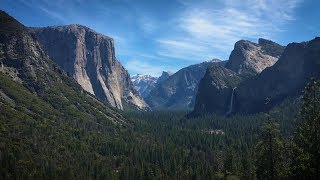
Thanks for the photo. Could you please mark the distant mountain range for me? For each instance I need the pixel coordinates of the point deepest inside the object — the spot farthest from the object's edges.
(246, 60)
(145, 83)
(179, 90)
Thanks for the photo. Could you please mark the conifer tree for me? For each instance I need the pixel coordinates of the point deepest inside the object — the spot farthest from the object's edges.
(307, 139)
(269, 164)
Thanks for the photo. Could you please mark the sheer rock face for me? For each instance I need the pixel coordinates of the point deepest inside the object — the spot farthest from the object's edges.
(89, 58)
(251, 58)
(178, 92)
(216, 90)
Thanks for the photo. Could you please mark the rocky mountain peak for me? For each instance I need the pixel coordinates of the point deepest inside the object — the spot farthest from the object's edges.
(252, 58)
(263, 42)
(215, 60)
(9, 25)
(164, 76)
(244, 45)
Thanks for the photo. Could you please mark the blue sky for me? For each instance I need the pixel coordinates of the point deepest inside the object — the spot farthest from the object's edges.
(155, 35)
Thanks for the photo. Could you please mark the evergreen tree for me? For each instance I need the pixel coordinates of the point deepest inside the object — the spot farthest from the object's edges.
(247, 166)
(307, 139)
(230, 166)
(269, 149)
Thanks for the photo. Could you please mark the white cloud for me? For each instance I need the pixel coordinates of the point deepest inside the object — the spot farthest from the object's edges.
(53, 15)
(184, 49)
(214, 30)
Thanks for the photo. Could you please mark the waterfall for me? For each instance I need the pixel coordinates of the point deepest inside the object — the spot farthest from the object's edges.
(231, 101)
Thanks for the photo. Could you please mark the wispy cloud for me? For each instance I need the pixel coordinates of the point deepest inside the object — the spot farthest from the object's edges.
(51, 12)
(213, 31)
(184, 49)
(147, 24)
(53, 15)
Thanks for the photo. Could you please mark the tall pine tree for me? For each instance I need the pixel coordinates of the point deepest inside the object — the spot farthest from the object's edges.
(307, 139)
(269, 160)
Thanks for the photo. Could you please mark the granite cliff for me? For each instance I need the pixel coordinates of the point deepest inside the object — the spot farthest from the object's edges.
(89, 57)
(252, 58)
(34, 86)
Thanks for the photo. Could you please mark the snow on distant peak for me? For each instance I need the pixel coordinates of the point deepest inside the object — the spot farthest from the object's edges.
(144, 83)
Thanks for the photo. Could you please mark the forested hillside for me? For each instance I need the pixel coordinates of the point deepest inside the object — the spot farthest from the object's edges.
(152, 145)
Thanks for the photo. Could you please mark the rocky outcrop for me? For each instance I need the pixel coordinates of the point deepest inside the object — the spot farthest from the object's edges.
(164, 76)
(216, 91)
(250, 58)
(89, 58)
(22, 58)
(287, 78)
(178, 92)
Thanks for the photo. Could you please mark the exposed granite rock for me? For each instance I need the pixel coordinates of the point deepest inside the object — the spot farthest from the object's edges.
(287, 78)
(179, 90)
(251, 58)
(89, 58)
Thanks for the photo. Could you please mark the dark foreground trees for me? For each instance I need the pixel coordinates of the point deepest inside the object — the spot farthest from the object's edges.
(307, 138)
(269, 150)
(299, 157)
